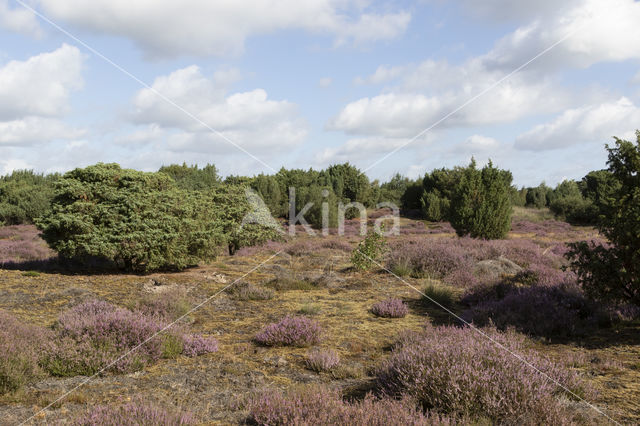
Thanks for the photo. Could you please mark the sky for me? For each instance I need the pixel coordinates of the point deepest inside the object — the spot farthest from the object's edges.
(252, 86)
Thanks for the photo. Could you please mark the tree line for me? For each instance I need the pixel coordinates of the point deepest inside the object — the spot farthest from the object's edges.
(181, 214)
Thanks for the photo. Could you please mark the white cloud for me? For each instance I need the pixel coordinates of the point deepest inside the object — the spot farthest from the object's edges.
(636, 78)
(594, 123)
(418, 95)
(479, 143)
(429, 91)
(33, 130)
(35, 93)
(601, 30)
(19, 20)
(9, 165)
(514, 10)
(204, 27)
(357, 149)
(41, 85)
(249, 119)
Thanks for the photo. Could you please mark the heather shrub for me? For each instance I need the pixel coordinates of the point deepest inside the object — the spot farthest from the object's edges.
(440, 257)
(196, 344)
(20, 352)
(427, 258)
(369, 251)
(390, 308)
(94, 334)
(461, 278)
(322, 359)
(320, 405)
(247, 291)
(290, 331)
(135, 413)
(21, 243)
(170, 304)
(438, 293)
(458, 371)
(549, 311)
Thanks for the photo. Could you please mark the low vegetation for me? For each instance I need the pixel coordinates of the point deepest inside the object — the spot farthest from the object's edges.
(546, 326)
(324, 406)
(135, 413)
(457, 371)
(390, 308)
(291, 331)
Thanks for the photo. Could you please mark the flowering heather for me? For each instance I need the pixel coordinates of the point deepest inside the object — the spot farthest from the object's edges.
(290, 331)
(541, 229)
(320, 405)
(196, 344)
(20, 243)
(457, 371)
(93, 334)
(390, 308)
(433, 258)
(625, 312)
(136, 413)
(270, 245)
(19, 352)
(452, 259)
(547, 311)
(169, 305)
(461, 278)
(322, 359)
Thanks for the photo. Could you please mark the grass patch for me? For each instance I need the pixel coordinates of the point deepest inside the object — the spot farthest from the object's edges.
(248, 291)
(402, 269)
(31, 274)
(286, 284)
(531, 214)
(309, 309)
(439, 293)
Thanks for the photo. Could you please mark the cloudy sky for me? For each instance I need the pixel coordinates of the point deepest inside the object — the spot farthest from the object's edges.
(256, 85)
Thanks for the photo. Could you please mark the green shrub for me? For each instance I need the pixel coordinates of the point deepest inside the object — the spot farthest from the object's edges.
(142, 221)
(393, 190)
(192, 177)
(575, 209)
(612, 271)
(369, 251)
(317, 196)
(435, 207)
(24, 196)
(438, 189)
(481, 205)
(139, 221)
(538, 196)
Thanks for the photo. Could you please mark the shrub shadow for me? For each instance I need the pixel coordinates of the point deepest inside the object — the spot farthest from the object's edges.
(89, 266)
(436, 314)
